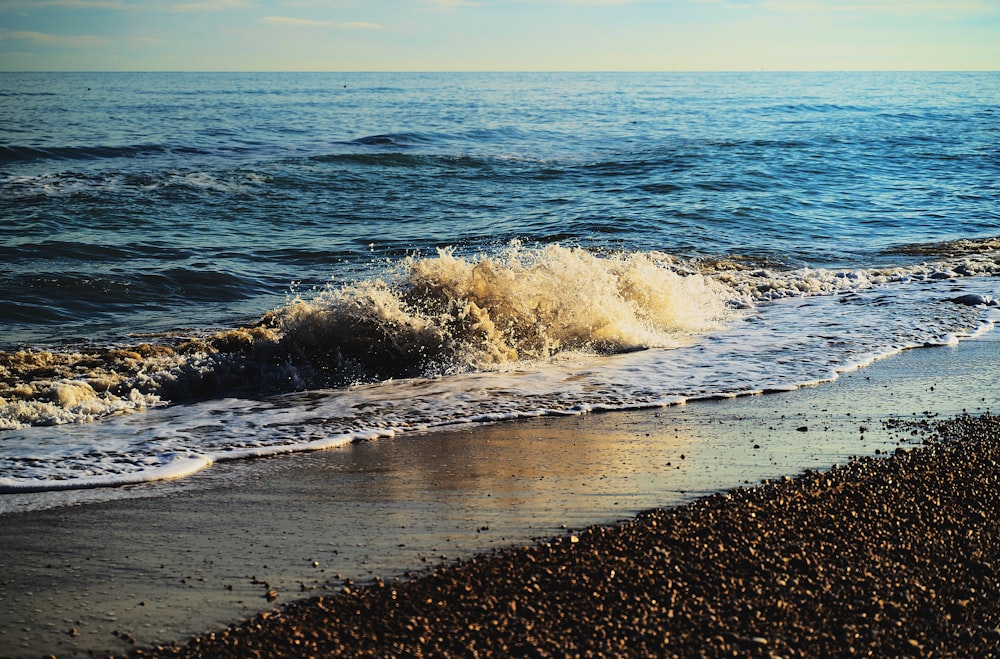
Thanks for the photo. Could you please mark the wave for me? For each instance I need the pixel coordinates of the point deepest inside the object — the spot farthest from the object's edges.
(459, 313)
(398, 158)
(397, 139)
(75, 183)
(14, 153)
(380, 142)
(754, 284)
(468, 137)
(441, 315)
(519, 333)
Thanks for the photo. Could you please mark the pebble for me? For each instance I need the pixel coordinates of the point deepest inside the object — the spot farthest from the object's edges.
(890, 556)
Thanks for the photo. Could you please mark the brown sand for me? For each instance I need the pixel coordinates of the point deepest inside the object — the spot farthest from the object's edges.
(881, 557)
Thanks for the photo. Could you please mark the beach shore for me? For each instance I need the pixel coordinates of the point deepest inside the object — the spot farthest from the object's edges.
(165, 562)
(896, 557)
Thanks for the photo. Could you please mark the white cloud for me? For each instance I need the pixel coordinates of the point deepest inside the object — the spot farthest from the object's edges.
(858, 6)
(452, 4)
(207, 5)
(602, 3)
(62, 40)
(305, 22)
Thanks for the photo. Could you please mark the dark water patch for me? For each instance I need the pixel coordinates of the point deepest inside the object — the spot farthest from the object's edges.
(398, 139)
(69, 293)
(304, 255)
(376, 140)
(760, 145)
(68, 296)
(389, 159)
(401, 160)
(199, 284)
(16, 312)
(62, 250)
(722, 185)
(818, 108)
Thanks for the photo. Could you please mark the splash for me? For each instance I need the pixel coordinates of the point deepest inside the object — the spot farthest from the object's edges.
(452, 313)
(46, 388)
(51, 388)
(751, 282)
(437, 315)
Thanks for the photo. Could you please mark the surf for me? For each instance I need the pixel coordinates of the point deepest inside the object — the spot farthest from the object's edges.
(437, 315)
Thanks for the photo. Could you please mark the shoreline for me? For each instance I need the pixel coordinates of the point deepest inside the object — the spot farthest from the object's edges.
(881, 557)
(227, 544)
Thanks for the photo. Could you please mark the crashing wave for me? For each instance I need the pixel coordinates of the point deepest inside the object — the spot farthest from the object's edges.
(440, 315)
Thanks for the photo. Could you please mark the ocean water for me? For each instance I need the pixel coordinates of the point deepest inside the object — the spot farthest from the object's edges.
(202, 267)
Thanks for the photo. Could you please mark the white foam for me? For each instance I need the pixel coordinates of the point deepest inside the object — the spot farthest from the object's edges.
(483, 312)
(792, 341)
(169, 467)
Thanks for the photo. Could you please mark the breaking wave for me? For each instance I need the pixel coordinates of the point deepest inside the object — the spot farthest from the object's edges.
(450, 313)
(438, 315)
(435, 316)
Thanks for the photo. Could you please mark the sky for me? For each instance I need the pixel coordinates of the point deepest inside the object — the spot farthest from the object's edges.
(498, 35)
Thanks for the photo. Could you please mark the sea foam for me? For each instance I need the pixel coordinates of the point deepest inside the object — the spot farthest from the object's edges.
(477, 313)
(448, 314)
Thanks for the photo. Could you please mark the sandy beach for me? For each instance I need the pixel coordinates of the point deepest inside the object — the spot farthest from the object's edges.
(521, 538)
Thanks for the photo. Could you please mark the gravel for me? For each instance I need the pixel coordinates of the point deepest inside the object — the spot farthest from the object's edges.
(884, 556)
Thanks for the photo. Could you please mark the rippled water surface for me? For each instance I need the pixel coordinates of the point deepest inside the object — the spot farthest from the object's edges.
(202, 266)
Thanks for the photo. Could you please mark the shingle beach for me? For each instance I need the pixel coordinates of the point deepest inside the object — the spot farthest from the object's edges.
(884, 556)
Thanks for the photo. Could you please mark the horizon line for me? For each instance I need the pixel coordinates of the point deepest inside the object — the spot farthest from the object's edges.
(469, 71)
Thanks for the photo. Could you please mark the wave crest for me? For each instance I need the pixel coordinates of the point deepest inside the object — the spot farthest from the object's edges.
(437, 315)
(440, 315)
(478, 313)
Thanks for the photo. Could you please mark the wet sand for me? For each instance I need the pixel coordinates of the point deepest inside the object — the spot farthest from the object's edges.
(877, 558)
(185, 558)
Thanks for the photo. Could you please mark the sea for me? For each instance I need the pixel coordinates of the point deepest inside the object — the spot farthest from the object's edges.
(202, 267)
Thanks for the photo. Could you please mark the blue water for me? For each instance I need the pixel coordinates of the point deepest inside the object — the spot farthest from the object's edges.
(271, 235)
